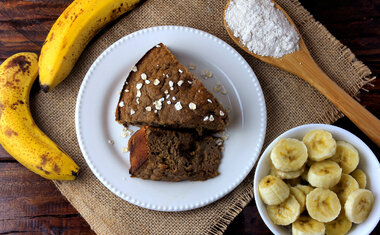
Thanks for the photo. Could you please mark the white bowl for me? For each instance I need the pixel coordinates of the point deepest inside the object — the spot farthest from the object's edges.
(368, 163)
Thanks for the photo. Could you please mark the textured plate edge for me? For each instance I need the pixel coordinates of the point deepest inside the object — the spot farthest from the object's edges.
(195, 205)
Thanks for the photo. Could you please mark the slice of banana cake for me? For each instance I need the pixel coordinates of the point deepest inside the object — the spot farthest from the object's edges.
(160, 91)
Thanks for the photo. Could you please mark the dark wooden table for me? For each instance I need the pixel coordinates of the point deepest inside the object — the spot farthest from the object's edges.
(30, 204)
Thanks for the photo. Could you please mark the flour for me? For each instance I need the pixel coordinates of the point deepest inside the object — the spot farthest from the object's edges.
(262, 28)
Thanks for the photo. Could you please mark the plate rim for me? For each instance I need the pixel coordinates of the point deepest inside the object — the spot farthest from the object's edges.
(216, 196)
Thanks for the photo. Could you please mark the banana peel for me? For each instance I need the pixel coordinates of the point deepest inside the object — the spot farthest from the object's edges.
(70, 34)
(19, 134)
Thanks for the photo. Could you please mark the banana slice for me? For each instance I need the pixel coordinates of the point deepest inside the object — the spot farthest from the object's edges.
(339, 226)
(323, 205)
(305, 225)
(324, 174)
(273, 190)
(360, 177)
(286, 174)
(285, 213)
(289, 155)
(345, 187)
(358, 205)
(320, 144)
(300, 197)
(346, 156)
(306, 189)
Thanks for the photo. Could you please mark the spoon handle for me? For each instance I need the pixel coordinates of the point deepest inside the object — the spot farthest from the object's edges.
(362, 118)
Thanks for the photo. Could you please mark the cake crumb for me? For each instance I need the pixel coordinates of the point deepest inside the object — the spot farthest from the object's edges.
(224, 92)
(178, 106)
(156, 82)
(219, 142)
(134, 68)
(124, 134)
(192, 106)
(111, 142)
(217, 88)
(192, 66)
(124, 149)
(206, 74)
(119, 93)
(121, 104)
(222, 149)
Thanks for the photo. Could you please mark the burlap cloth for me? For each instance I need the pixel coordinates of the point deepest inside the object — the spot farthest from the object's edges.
(290, 102)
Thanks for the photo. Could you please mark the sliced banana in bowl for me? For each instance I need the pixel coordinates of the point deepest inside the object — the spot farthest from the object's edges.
(332, 187)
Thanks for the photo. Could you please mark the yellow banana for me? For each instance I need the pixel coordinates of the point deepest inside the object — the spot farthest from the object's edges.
(19, 134)
(70, 34)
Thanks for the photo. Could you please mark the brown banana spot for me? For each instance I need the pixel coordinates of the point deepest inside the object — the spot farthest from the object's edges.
(42, 169)
(9, 132)
(56, 169)
(9, 84)
(44, 159)
(2, 108)
(14, 105)
(19, 61)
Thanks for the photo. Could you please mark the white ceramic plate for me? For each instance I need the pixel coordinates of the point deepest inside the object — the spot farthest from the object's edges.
(99, 93)
(368, 163)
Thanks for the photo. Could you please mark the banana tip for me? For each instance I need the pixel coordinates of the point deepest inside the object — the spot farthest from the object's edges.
(44, 88)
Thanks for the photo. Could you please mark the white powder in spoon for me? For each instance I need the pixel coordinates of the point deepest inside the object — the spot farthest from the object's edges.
(262, 28)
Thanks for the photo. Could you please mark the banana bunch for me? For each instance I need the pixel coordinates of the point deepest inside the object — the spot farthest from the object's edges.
(19, 135)
(310, 186)
(70, 34)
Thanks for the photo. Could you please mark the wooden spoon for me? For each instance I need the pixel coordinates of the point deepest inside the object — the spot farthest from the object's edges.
(301, 63)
